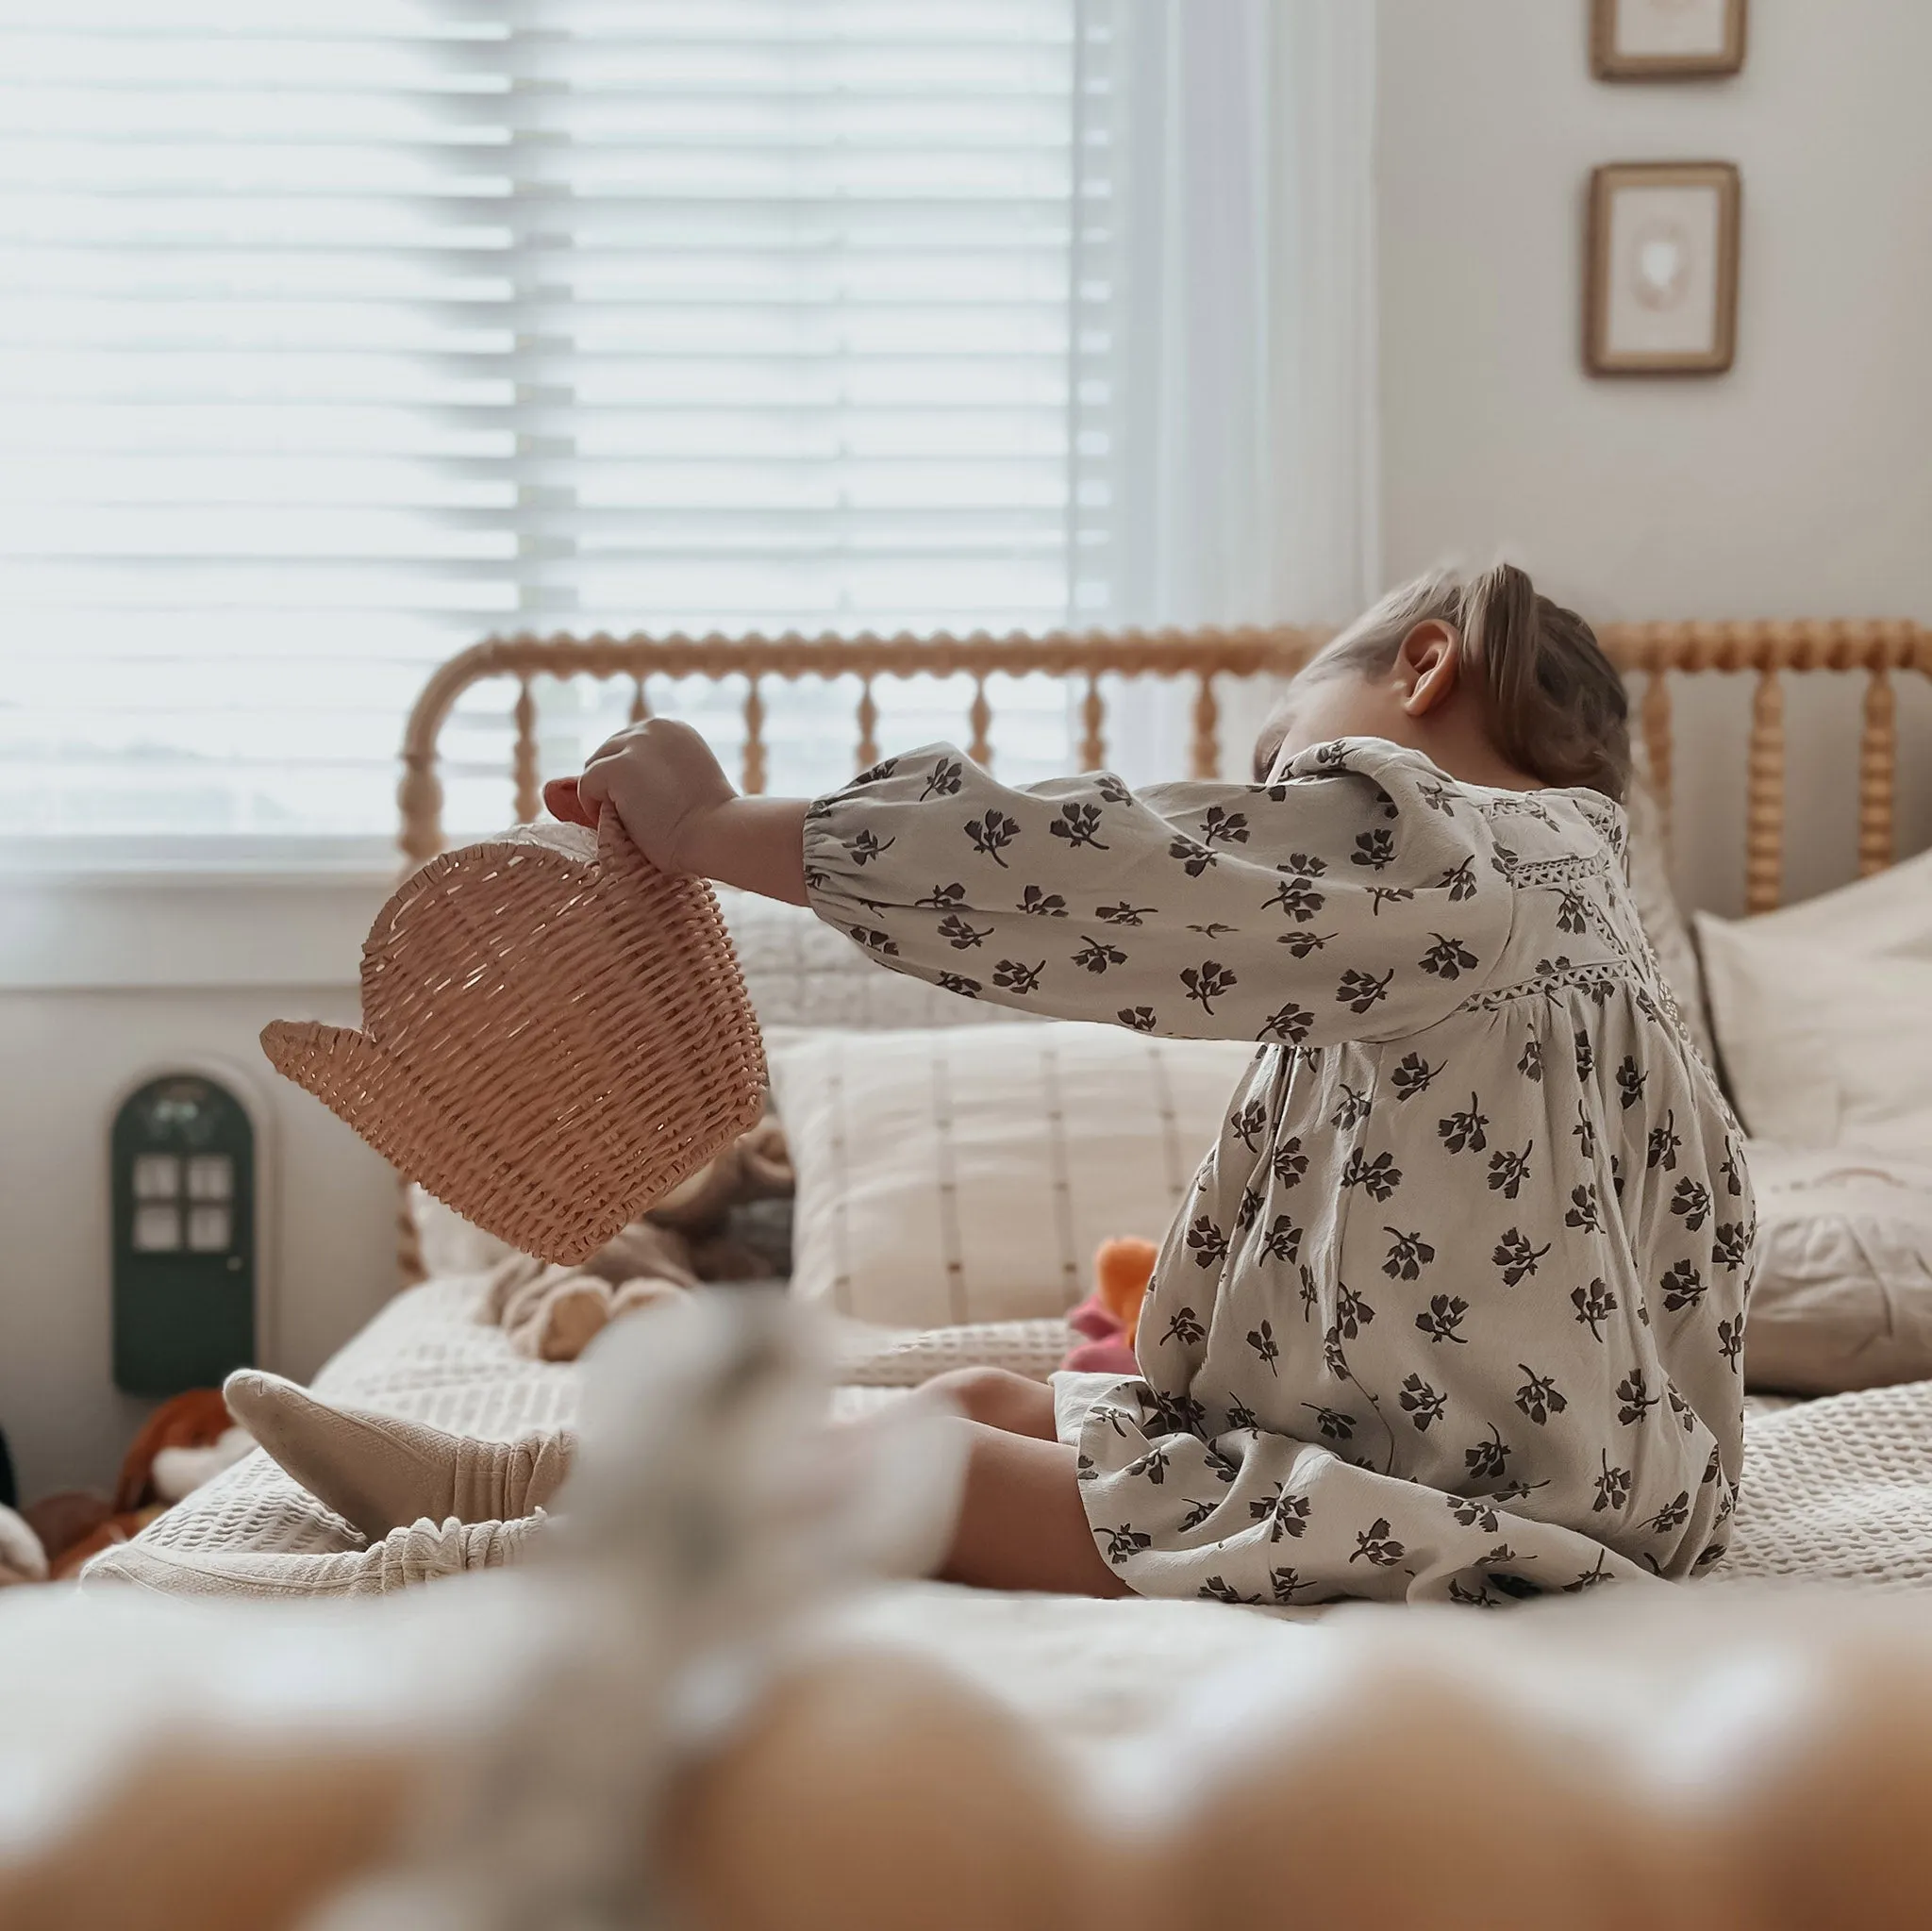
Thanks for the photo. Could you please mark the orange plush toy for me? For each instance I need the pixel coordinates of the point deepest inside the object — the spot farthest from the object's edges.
(1110, 1316)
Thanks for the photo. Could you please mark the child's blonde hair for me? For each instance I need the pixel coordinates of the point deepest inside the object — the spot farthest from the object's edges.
(1556, 706)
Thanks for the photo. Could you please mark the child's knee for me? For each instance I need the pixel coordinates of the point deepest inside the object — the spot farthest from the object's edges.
(996, 1396)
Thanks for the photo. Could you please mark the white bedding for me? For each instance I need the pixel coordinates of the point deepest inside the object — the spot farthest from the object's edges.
(427, 1356)
(1840, 1488)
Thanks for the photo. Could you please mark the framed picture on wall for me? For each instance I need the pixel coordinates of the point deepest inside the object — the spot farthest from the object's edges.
(1666, 40)
(1660, 295)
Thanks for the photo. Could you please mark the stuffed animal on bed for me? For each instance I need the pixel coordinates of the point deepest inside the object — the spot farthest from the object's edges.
(188, 1439)
(553, 1313)
(1110, 1318)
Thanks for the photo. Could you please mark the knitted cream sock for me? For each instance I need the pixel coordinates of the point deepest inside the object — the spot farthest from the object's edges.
(380, 1473)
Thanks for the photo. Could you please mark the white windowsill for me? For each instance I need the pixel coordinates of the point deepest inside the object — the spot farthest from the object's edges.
(45, 864)
(141, 916)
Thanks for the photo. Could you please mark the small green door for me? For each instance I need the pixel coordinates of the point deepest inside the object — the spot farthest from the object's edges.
(183, 1155)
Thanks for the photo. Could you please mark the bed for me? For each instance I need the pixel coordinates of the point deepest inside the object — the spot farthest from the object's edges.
(1722, 1755)
(253, 1532)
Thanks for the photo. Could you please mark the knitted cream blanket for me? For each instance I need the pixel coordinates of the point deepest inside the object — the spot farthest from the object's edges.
(1836, 1490)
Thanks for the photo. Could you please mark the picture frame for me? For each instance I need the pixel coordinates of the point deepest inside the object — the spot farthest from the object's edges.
(1661, 263)
(1667, 39)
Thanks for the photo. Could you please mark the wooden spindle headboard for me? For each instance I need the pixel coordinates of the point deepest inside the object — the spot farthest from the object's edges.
(1654, 652)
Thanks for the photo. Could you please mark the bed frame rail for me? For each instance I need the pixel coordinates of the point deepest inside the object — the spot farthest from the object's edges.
(1654, 652)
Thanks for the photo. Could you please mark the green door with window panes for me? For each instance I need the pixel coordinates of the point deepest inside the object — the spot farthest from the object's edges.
(183, 1157)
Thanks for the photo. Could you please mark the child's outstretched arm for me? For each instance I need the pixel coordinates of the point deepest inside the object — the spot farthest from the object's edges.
(1357, 900)
(685, 815)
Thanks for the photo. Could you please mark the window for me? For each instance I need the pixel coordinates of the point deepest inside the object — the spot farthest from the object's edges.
(157, 1191)
(333, 337)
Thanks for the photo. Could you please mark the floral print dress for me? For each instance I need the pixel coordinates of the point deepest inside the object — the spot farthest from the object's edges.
(1455, 1310)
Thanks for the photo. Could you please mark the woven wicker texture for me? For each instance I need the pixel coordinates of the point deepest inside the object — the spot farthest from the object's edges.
(555, 1034)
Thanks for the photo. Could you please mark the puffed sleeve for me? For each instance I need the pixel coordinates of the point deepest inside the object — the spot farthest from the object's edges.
(1359, 897)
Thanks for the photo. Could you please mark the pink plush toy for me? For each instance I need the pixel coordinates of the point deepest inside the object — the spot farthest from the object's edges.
(1110, 1316)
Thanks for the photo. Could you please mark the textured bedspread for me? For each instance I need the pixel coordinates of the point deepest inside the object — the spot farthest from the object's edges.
(429, 1357)
(1838, 1490)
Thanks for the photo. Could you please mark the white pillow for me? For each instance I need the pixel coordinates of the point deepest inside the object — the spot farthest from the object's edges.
(967, 1175)
(801, 972)
(1888, 915)
(1844, 1293)
(1821, 1047)
(449, 1244)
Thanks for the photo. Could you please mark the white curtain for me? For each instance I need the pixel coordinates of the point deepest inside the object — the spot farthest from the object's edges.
(1246, 402)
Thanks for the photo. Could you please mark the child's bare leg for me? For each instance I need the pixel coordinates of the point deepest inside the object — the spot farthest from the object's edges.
(1021, 1523)
(996, 1398)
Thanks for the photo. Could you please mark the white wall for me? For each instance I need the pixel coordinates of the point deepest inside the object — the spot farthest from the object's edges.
(100, 982)
(1800, 484)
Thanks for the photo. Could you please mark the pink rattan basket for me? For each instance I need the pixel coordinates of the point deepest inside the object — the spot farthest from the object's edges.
(555, 1034)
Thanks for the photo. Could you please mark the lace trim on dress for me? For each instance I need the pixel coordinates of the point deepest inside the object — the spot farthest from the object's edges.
(1599, 979)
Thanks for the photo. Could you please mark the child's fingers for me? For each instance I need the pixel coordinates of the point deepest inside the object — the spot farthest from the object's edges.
(576, 800)
(562, 800)
(593, 783)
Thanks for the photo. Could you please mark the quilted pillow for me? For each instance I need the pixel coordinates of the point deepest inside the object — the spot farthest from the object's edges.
(447, 1243)
(1821, 1012)
(801, 972)
(952, 1176)
(1843, 1295)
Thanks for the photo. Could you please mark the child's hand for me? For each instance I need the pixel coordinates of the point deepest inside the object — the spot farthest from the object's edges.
(664, 784)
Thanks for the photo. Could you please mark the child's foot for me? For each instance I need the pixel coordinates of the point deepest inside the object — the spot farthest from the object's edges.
(378, 1472)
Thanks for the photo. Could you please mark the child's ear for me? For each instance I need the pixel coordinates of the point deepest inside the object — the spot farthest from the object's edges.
(1427, 665)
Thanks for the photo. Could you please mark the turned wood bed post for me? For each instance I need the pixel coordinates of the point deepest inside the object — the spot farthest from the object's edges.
(1092, 726)
(524, 757)
(1877, 775)
(980, 716)
(1764, 795)
(1657, 746)
(1206, 754)
(868, 727)
(753, 766)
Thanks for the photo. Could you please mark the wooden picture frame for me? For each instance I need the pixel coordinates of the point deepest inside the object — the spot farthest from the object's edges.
(1661, 295)
(1667, 39)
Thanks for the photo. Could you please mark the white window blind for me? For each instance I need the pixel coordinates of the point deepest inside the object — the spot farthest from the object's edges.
(333, 337)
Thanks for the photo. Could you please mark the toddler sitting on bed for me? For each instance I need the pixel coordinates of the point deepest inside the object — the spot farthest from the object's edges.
(1455, 1309)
